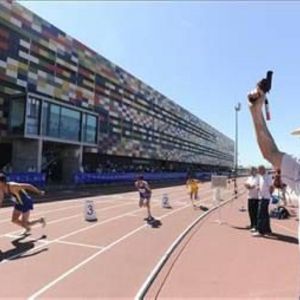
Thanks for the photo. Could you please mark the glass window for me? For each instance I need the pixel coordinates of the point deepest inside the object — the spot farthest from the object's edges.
(70, 124)
(17, 110)
(53, 121)
(89, 129)
(45, 121)
(33, 116)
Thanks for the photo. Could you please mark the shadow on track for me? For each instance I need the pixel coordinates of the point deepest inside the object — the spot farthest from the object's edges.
(20, 249)
(240, 228)
(282, 238)
(275, 236)
(155, 223)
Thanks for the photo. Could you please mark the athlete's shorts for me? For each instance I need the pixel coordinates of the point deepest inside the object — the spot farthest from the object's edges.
(145, 196)
(194, 190)
(26, 205)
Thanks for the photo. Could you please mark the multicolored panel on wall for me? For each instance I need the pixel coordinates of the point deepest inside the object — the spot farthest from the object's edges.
(135, 119)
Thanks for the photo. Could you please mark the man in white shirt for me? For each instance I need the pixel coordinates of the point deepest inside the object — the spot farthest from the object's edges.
(265, 190)
(252, 185)
(289, 166)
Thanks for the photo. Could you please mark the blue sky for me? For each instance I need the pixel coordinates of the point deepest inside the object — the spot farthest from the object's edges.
(205, 56)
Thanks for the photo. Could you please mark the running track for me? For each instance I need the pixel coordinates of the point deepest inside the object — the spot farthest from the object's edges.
(107, 259)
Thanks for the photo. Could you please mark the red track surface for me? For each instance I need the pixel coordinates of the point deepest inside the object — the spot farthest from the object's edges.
(226, 262)
(112, 257)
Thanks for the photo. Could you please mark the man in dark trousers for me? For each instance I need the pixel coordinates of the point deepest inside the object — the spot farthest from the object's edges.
(265, 190)
(252, 185)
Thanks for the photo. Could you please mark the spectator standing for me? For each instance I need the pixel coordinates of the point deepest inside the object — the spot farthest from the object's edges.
(252, 185)
(265, 191)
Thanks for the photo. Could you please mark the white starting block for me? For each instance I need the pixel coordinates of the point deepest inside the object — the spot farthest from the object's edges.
(165, 201)
(90, 214)
(218, 183)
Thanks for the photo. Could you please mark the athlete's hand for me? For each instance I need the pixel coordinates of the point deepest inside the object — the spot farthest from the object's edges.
(42, 193)
(256, 99)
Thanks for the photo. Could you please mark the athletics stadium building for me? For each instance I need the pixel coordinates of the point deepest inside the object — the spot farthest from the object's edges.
(62, 102)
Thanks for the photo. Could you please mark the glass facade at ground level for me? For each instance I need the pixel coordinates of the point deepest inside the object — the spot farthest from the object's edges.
(49, 119)
(134, 119)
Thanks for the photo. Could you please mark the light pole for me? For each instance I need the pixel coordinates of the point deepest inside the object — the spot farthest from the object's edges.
(237, 109)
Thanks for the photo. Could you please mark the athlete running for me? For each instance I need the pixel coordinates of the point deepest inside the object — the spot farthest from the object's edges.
(23, 203)
(193, 187)
(145, 195)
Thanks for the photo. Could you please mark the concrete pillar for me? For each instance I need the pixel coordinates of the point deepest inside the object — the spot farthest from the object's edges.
(26, 154)
(71, 161)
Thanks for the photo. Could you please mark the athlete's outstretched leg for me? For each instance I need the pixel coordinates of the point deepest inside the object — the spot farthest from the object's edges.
(17, 220)
(148, 209)
(25, 219)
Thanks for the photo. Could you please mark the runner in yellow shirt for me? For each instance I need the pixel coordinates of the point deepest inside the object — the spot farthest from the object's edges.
(193, 187)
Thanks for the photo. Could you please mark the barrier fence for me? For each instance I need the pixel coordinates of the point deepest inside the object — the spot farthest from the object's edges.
(35, 178)
(39, 179)
(96, 178)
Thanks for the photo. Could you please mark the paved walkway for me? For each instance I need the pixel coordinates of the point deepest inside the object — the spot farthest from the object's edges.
(226, 262)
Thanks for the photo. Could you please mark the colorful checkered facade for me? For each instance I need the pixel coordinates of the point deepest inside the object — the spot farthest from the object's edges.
(135, 120)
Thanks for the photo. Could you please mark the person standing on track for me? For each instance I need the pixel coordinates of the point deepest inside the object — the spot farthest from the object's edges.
(145, 196)
(193, 188)
(251, 185)
(23, 202)
(289, 166)
(265, 190)
(280, 186)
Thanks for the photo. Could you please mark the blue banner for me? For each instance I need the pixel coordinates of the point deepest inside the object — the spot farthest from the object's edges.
(38, 179)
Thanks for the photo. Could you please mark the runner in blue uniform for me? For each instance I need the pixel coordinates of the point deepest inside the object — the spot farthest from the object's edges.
(145, 195)
(23, 203)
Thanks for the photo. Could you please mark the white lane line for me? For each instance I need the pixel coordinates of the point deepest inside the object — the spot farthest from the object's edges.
(82, 229)
(164, 258)
(112, 197)
(38, 213)
(75, 232)
(46, 242)
(99, 198)
(78, 215)
(87, 228)
(106, 248)
(90, 258)
(203, 192)
(80, 245)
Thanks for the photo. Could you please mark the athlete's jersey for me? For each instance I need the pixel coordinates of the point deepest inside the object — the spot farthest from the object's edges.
(192, 184)
(143, 188)
(23, 202)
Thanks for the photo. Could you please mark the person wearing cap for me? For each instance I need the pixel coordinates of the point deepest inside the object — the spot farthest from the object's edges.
(289, 166)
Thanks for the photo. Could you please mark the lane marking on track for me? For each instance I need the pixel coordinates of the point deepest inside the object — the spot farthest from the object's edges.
(141, 293)
(106, 248)
(74, 233)
(73, 216)
(100, 199)
(46, 242)
(37, 213)
(90, 258)
(78, 231)
(203, 192)
(80, 244)
(89, 227)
